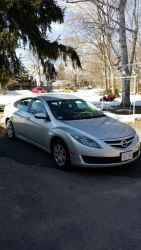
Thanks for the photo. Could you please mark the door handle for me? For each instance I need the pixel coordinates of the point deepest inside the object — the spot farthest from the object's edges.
(28, 118)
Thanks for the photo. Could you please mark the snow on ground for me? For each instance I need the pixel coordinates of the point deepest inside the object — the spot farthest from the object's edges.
(95, 95)
(125, 118)
(92, 95)
(11, 96)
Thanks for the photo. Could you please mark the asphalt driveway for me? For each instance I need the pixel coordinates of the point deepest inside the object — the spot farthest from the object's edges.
(43, 208)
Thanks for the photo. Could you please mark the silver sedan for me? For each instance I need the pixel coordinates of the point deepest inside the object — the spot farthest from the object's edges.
(72, 130)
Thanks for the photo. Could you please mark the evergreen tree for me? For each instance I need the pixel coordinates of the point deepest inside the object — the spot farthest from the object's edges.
(50, 71)
(27, 22)
(21, 78)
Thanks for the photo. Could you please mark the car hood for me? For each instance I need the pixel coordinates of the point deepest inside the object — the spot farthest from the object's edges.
(102, 128)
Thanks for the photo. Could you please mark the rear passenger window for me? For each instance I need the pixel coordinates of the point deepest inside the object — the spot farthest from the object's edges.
(23, 104)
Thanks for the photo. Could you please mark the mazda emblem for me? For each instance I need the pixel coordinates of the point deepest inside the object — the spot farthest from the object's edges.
(124, 143)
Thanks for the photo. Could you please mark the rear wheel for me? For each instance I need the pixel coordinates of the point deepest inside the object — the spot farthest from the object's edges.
(10, 130)
(60, 154)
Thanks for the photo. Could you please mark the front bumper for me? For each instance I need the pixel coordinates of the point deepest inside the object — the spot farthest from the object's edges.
(105, 157)
(90, 162)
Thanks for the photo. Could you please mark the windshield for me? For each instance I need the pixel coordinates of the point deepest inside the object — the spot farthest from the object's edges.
(76, 109)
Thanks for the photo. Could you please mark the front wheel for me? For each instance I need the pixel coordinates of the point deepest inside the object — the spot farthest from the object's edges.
(10, 130)
(60, 154)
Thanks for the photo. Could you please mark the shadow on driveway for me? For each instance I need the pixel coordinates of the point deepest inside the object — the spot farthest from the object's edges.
(27, 154)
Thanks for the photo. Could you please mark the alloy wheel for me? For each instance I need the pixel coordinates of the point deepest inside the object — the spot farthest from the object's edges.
(60, 155)
(10, 129)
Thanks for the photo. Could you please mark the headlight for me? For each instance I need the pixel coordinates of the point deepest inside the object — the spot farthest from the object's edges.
(85, 141)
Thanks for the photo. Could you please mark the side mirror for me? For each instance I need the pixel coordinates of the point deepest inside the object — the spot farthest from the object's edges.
(42, 116)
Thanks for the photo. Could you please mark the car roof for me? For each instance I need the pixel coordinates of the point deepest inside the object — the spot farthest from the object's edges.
(55, 97)
(50, 97)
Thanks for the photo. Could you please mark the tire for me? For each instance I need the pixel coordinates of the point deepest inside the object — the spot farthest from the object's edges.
(60, 154)
(10, 130)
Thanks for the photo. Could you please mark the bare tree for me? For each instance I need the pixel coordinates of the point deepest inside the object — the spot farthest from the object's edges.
(112, 19)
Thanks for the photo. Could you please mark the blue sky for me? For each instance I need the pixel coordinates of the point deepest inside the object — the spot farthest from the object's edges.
(24, 53)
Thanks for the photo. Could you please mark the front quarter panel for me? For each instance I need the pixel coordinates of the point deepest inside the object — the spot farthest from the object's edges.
(64, 134)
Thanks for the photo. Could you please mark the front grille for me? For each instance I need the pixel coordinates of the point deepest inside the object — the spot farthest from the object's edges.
(104, 160)
(118, 143)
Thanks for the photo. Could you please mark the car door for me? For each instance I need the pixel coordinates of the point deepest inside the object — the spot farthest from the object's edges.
(19, 118)
(38, 129)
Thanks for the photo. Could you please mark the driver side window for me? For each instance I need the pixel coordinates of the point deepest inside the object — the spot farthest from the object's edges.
(37, 107)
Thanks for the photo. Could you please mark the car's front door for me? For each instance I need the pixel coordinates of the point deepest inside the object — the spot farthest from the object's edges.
(19, 117)
(38, 129)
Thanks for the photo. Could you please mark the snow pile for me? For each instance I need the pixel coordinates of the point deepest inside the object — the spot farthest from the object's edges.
(11, 96)
(136, 99)
(124, 118)
(18, 92)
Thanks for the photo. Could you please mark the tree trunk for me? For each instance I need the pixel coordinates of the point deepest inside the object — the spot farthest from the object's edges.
(0, 87)
(124, 56)
(134, 36)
